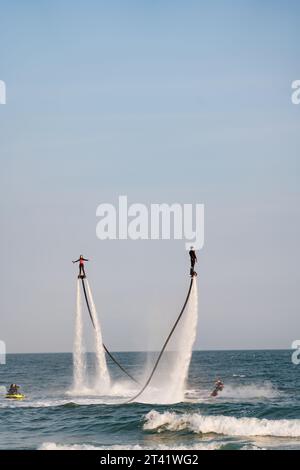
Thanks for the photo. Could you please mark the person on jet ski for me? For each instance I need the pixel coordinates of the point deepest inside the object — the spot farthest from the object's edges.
(81, 261)
(218, 387)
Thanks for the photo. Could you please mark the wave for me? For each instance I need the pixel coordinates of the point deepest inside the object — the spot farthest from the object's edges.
(118, 393)
(48, 403)
(199, 446)
(33, 404)
(118, 389)
(226, 425)
(121, 391)
(252, 447)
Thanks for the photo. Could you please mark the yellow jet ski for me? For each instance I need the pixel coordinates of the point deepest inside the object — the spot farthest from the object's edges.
(15, 396)
(14, 393)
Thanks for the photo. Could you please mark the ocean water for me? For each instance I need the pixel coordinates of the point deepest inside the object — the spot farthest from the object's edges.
(258, 409)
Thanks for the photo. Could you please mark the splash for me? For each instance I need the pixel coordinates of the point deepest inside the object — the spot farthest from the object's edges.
(250, 391)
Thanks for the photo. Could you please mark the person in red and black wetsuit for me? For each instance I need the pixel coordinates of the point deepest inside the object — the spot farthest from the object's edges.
(81, 261)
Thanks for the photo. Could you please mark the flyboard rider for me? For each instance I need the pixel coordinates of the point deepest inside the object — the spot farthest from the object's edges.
(193, 261)
(81, 261)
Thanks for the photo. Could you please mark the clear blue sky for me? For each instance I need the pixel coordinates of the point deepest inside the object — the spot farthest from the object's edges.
(165, 101)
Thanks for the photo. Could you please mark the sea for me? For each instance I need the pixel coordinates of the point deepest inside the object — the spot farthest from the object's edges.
(259, 407)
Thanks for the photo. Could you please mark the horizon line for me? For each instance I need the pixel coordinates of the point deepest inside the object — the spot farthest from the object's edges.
(157, 351)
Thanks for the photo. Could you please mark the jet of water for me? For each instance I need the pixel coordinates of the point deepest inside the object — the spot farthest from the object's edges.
(78, 348)
(184, 342)
(169, 382)
(102, 382)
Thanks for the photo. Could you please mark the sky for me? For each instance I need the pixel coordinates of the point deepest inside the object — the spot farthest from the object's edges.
(162, 101)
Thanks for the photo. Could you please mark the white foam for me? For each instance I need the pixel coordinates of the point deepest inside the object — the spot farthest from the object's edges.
(251, 391)
(87, 396)
(226, 425)
(199, 446)
(252, 447)
(33, 404)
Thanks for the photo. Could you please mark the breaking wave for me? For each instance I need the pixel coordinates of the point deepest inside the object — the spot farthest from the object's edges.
(226, 425)
(54, 446)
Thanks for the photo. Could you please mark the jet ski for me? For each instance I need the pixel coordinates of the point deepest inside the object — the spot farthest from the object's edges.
(218, 388)
(14, 393)
(15, 396)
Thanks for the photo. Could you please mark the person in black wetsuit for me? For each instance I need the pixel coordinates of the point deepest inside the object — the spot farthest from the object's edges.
(193, 260)
(13, 389)
(81, 261)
